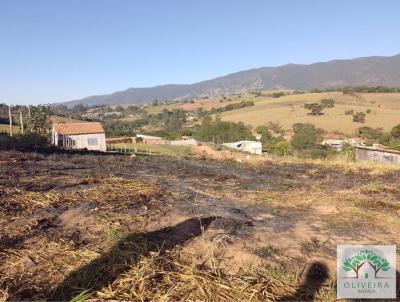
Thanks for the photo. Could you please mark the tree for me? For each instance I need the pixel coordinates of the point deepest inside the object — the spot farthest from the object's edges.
(276, 128)
(357, 261)
(280, 147)
(263, 130)
(306, 136)
(314, 108)
(328, 103)
(39, 120)
(395, 133)
(359, 117)
(221, 131)
(78, 108)
(372, 135)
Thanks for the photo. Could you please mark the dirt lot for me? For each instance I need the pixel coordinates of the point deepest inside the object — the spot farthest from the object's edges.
(168, 229)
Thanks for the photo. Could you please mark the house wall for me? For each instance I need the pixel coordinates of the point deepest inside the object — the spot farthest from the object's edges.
(247, 146)
(81, 141)
(380, 156)
(184, 142)
(254, 148)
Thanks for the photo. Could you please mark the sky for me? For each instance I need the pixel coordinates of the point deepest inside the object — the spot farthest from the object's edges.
(53, 51)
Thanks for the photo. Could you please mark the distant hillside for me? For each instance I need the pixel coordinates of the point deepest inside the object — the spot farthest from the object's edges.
(369, 71)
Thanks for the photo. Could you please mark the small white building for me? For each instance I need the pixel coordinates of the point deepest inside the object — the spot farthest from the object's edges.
(84, 135)
(337, 144)
(252, 147)
(184, 142)
(150, 139)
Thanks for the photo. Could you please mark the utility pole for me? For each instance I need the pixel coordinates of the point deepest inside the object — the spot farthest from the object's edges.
(9, 115)
(29, 111)
(21, 121)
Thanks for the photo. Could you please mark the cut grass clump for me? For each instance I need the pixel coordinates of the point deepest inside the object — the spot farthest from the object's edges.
(377, 188)
(266, 251)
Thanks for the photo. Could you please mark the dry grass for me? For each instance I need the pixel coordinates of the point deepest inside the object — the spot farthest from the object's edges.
(170, 276)
(98, 220)
(156, 149)
(6, 128)
(288, 110)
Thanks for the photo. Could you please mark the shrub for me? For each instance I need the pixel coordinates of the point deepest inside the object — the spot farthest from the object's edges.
(306, 136)
(359, 117)
(22, 141)
(314, 108)
(328, 103)
(221, 131)
(395, 133)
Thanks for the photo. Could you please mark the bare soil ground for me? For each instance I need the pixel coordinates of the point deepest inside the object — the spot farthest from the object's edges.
(168, 229)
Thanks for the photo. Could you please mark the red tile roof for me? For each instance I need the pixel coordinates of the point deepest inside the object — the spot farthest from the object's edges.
(78, 128)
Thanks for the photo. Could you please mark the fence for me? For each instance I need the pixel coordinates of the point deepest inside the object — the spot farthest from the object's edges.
(130, 151)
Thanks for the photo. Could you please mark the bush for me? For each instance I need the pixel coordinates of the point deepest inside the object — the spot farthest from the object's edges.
(22, 141)
(276, 95)
(280, 148)
(395, 133)
(221, 131)
(359, 117)
(306, 136)
(328, 103)
(314, 108)
(349, 112)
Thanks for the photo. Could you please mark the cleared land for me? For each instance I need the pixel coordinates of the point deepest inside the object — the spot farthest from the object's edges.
(6, 128)
(287, 110)
(160, 228)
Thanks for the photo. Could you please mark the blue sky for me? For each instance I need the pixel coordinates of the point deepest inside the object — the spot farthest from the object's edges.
(68, 49)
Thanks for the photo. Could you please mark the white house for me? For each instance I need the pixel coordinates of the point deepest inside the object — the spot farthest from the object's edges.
(184, 142)
(247, 146)
(337, 144)
(84, 135)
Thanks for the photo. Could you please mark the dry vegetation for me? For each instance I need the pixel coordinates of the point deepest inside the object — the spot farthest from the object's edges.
(288, 110)
(167, 229)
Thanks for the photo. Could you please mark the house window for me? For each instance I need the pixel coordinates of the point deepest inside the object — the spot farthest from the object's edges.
(92, 142)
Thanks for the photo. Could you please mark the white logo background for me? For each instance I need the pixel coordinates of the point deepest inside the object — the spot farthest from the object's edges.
(366, 285)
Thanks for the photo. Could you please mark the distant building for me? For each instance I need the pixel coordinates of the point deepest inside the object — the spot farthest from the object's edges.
(184, 142)
(149, 139)
(337, 144)
(356, 141)
(377, 155)
(252, 147)
(83, 135)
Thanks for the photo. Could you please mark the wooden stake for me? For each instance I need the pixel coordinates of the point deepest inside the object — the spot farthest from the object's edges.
(21, 122)
(9, 115)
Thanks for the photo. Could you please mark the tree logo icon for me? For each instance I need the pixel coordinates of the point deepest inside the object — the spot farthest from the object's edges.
(367, 256)
(366, 271)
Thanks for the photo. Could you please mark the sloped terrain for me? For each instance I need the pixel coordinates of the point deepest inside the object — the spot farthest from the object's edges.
(368, 71)
(383, 108)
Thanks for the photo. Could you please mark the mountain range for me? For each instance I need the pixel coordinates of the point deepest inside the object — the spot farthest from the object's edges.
(366, 71)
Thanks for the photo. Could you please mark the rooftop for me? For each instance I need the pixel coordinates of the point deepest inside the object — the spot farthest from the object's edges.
(78, 128)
